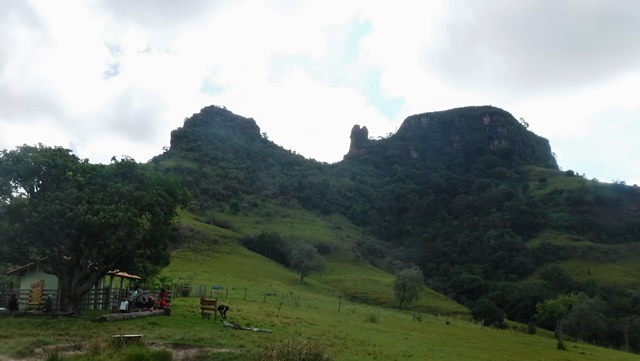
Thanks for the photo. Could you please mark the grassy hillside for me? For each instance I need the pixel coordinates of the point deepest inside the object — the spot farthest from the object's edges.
(220, 260)
(349, 310)
(575, 205)
(615, 265)
(324, 314)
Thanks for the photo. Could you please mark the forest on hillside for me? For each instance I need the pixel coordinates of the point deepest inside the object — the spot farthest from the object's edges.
(467, 195)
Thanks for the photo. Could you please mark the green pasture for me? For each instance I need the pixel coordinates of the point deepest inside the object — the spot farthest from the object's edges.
(291, 223)
(543, 181)
(356, 332)
(327, 309)
(615, 265)
(560, 239)
(349, 310)
(624, 273)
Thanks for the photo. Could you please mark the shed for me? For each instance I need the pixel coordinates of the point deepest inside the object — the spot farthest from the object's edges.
(35, 284)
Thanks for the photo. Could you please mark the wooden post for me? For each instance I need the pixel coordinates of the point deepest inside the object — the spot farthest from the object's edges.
(108, 296)
(97, 295)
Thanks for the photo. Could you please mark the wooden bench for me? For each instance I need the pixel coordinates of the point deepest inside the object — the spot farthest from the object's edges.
(209, 304)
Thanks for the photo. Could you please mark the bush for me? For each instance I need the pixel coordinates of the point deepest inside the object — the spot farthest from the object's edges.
(219, 222)
(326, 248)
(293, 350)
(531, 328)
(372, 318)
(487, 312)
(270, 245)
(137, 353)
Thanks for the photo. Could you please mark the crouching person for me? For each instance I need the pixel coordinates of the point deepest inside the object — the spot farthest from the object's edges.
(222, 309)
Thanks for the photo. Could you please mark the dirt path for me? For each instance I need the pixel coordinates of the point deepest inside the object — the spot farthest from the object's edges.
(180, 352)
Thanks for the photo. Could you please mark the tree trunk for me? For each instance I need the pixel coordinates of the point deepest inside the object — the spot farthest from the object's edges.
(559, 335)
(73, 287)
(401, 298)
(70, 299)
(238, 327)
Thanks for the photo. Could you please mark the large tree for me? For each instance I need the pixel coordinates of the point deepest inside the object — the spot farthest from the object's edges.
(408, 284)
(85, 219)
(557, 310)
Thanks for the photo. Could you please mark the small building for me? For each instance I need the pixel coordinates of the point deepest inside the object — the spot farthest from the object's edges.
(35, 285)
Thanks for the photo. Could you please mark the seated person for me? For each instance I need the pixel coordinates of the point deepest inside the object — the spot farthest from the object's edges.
(163, 303)
(48, 305)
(13, 303)
(163, 294)
(124, 305)
(148, 305)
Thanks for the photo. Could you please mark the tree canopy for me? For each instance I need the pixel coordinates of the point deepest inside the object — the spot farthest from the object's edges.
(556, 310)
(407, 285)
(305, 259)
(85, 219)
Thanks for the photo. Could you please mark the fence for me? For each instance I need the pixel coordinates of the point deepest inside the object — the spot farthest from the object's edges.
(109, 298)
(95, 299)
(221, 292)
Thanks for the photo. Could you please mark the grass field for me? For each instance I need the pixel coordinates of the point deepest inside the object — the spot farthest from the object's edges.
(349, 311)
(324, 314)
(605, 264)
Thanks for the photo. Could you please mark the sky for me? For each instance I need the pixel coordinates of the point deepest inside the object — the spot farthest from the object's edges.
(114, 77)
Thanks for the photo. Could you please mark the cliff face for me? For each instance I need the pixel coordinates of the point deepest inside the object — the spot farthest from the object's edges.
(359, 138)
(461, 136)
(214, 125)
(455, 137)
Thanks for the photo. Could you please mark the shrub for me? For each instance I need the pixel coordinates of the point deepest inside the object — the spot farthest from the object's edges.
(270, 245)
(487, 312)
(221, 223)
(531, 328)
(326, 248)
(293, 350)
(162, 355)
(137, 353)
(372, 318)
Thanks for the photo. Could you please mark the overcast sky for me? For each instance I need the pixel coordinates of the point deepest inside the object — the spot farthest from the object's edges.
(114, 77)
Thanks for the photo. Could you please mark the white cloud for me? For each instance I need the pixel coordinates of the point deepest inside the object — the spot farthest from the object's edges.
(115, 77)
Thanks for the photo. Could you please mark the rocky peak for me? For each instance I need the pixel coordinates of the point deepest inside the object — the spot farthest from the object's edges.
(359, 137)
(458, 136)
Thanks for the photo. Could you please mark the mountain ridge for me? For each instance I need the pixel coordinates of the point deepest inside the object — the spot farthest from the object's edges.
(472, 132)
(469, 195)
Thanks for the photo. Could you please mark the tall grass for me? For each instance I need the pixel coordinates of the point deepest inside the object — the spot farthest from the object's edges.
(293, 350)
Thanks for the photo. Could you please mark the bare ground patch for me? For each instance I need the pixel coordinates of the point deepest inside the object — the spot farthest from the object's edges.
(181, 352)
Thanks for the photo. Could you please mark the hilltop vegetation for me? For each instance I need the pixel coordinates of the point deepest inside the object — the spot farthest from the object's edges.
(469, 195)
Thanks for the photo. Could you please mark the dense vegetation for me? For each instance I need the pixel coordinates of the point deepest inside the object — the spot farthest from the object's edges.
(468, 195)
(82, 220)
